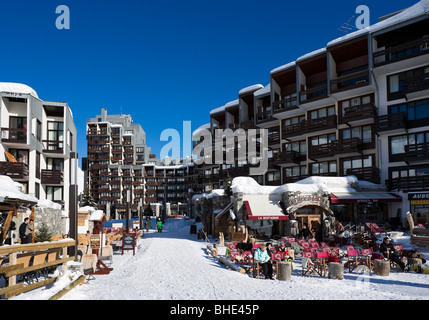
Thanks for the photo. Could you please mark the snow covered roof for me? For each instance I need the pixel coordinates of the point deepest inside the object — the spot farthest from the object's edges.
(421, 8)
(309, 185)
(283, 67)
(312, 54)
(263, 91)
(217, 110)
(48, 204)
(232, 104)
(17, 88)
(9, 189)
(250, 89)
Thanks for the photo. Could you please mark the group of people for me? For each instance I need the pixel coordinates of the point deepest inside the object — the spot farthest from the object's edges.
(26, 230)
(148, 224)
(263, 257)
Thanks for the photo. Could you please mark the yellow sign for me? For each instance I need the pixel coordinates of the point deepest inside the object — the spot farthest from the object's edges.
(415, 202)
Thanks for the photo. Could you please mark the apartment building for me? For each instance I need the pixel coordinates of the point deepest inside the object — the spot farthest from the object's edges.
(359, 106)
(122, 170)
(41, 137)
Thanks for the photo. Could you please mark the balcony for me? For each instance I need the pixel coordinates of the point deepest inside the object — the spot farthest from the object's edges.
(416, 152)
(407, 184)
(287, 157)
(310, 125)
(274, 138)
(52, 177)
(371, 174)
(344, 146)
(362, 112)
(285, 104)
(312, 94)
(14, 135)
(15, 170)
(392, 121)
(401, 52)
(350, 81)
(264, 116)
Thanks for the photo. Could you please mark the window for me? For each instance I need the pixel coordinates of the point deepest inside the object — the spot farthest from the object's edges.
(363, 133)
(273, 176)
(327, 167)
(297, 171)
(323, 112)
(357, 163)
(298, 146)
(294, 120)
(55, 140)
(323, 139)
(18, 128)
(54, 193)
(415, 110)
(20, 155)
(54, 164)
(407, 81)
(397, 144)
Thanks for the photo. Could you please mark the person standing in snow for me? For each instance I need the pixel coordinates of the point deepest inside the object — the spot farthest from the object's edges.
(147, 224)
(159, 225)
(262, 257)
(306, 232)
(29, 231)
(22, 229)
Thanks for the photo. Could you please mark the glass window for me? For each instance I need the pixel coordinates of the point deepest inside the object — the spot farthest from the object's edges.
(397, 144)
(394, 83)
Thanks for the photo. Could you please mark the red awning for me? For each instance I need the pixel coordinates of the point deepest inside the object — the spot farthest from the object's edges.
(360, 197)
(261, 208)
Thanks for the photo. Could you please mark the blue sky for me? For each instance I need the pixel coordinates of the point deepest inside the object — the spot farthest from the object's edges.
(162, 61)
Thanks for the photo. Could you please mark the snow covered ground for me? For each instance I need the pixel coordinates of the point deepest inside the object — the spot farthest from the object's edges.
(174, 265)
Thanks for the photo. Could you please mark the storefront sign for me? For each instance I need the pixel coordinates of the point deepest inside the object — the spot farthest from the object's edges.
(418, 196)
(417, 202)
(95, 241)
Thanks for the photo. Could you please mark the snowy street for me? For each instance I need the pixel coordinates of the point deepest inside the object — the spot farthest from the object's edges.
(174, 265)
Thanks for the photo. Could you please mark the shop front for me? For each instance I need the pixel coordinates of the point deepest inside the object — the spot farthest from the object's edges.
(419, 206)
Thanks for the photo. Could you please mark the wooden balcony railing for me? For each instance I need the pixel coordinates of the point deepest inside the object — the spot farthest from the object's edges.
(287, 157)
(14, 170)
(404, 51)
(416, 152)
(355, 113)
(310, 125)
(350, 81)
(371, 174)
(335, 147)
(313, 94)
(285, 104)
(390, 122)
(417, 183)
(14, 135)
(52, 177)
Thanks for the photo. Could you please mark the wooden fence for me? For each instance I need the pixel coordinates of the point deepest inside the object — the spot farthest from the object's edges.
(53, 254)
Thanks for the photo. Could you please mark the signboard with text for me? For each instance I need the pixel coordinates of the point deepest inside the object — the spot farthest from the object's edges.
(129, 242)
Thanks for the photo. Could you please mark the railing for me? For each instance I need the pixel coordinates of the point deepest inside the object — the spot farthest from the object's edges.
(274, 138)
(52, 177)
(14, 135)
(285, 104)
(263, 116)
(53, 146)
(335, 147)
(310, 125)
(287, 157)
(350, 81)
(418, 183)
(401, 52)
(371, 174)
(15, 170)
(390, 122)
(416, 152)
(312, 94)
(15, 267)
(355, 113)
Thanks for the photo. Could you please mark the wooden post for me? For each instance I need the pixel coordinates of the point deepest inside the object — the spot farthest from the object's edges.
(382, 267)
(336, 270)
(284, 272)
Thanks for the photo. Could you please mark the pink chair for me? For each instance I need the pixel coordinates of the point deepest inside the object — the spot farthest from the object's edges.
(315, 245)
(352, 259)
(350, 248)
(324, 245)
